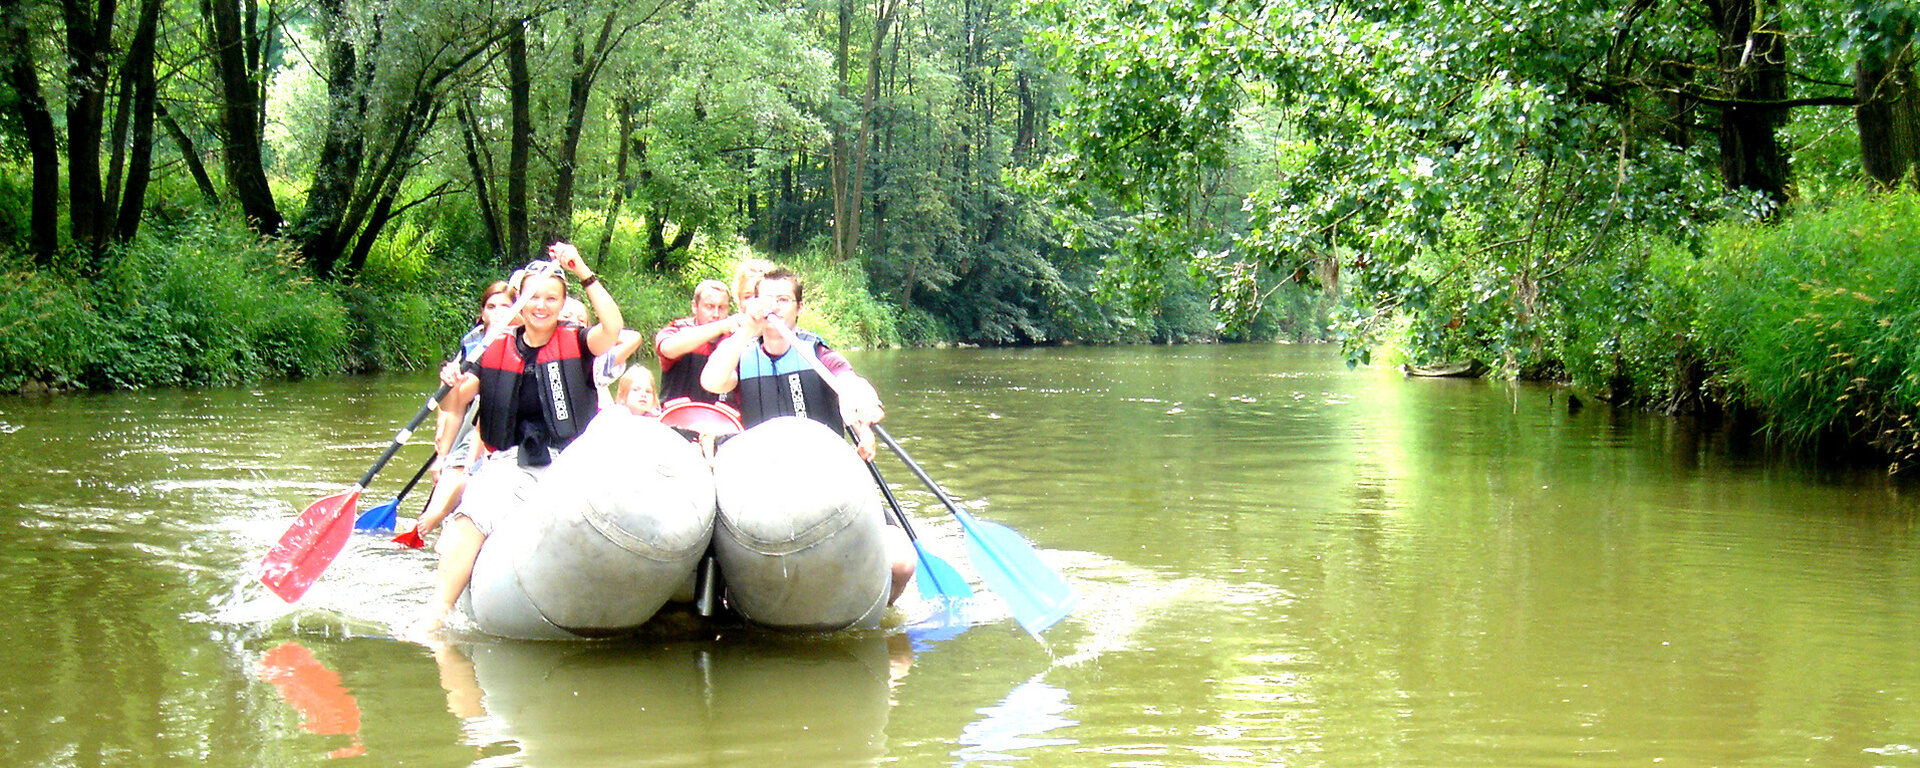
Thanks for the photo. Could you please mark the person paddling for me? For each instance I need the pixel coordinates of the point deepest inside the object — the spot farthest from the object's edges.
(536, 393)
(773, 378)
(450, 469)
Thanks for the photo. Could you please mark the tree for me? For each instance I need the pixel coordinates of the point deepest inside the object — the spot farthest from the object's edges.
(1888, 115)
(238, 41)
(27, 101)
(388, 68)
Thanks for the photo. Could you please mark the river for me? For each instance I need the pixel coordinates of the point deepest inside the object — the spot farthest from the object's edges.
(1280, 562)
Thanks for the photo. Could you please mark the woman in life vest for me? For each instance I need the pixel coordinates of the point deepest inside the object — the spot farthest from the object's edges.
(536, 393)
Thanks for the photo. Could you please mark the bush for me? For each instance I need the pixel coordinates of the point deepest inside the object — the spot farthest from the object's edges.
(1623, 326)
(1814, 320)
(200, 302)
(49, 332)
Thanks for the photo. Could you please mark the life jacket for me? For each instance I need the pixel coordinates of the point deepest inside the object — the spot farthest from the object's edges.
(788, 386)
(566, 375)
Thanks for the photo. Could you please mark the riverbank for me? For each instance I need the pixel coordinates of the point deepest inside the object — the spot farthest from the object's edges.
(1803, 328)
(206, 303)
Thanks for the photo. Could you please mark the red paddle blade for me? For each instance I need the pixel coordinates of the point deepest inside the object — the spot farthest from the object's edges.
(411, 539)
(307, 548)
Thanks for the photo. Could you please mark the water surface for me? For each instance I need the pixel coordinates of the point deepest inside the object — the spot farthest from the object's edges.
(1281, 562)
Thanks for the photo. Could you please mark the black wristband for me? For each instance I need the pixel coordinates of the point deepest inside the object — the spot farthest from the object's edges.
(589, 281)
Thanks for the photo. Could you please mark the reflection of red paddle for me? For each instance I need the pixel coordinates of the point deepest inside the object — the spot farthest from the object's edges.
(325, 706)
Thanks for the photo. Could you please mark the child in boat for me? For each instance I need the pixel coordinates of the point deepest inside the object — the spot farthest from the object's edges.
(634, 390)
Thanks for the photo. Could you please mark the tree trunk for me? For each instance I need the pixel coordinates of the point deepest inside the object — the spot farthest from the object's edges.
(338, 166)
(1752, 63)
(236, 49)
(1888, 114)
(842, 140)
(482, 169)
(882, 21)
(624, 109)
(42, 142)
(189, 154)
(586, 69)
(519, 141)
(140, 81)
(89, 40)
(667, 256)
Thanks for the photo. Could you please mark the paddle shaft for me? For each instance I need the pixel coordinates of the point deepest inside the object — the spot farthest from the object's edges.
(914, 467)
(400, 438)
(417, 474)
(892, 503)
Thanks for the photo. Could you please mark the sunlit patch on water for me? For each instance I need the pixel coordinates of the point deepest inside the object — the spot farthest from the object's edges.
(1016, 723)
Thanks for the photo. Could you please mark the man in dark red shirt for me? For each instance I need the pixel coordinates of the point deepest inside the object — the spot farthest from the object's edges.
(684, 345)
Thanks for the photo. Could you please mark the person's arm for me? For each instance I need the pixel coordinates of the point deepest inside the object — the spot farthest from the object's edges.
(630, 341)
(859, 401)
(605, 334)
(722, 373)
(684, 340)
(453, 409)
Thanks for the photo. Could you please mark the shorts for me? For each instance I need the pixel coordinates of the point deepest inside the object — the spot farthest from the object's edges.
(460, 456)
(497, 489)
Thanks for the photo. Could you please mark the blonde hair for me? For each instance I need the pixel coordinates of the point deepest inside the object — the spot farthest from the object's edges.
(746, 276)
(573, 306)
(710, 285)
(636, 377)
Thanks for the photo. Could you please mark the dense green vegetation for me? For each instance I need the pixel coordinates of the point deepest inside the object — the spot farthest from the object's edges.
(1690, 204)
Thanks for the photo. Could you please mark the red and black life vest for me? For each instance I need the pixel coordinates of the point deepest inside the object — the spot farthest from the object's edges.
(680, 376)
(565, 372)
(787, 386)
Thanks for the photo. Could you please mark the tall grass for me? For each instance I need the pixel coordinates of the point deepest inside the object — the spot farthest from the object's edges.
(1815, 321)
(195, 302)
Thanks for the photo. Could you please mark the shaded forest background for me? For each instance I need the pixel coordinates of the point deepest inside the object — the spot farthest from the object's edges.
(1699, 205)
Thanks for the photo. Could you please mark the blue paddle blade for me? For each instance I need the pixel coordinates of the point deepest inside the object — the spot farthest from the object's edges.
(938, 579)
(1037, 595)
(381, 518)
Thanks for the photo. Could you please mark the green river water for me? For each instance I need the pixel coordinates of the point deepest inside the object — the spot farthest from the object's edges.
(1280, 562)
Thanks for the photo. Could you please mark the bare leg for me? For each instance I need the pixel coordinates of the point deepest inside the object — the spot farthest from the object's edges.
(459, 546)
(446, 496)
(901, 558)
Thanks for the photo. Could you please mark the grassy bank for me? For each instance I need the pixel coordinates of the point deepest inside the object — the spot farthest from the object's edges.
(1809, 327)
(204, 302)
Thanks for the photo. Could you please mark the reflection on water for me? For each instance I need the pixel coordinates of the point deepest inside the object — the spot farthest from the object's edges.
(314, 690)
(1016, 723)
(758, 700)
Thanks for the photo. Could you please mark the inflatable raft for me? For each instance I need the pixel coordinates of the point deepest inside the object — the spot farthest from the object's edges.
(799, 533)
(618, 525)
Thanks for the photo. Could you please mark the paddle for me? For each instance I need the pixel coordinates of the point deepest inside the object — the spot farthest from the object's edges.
(382, 518)
(937, 578)
(1036, 594)
(320, 532)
